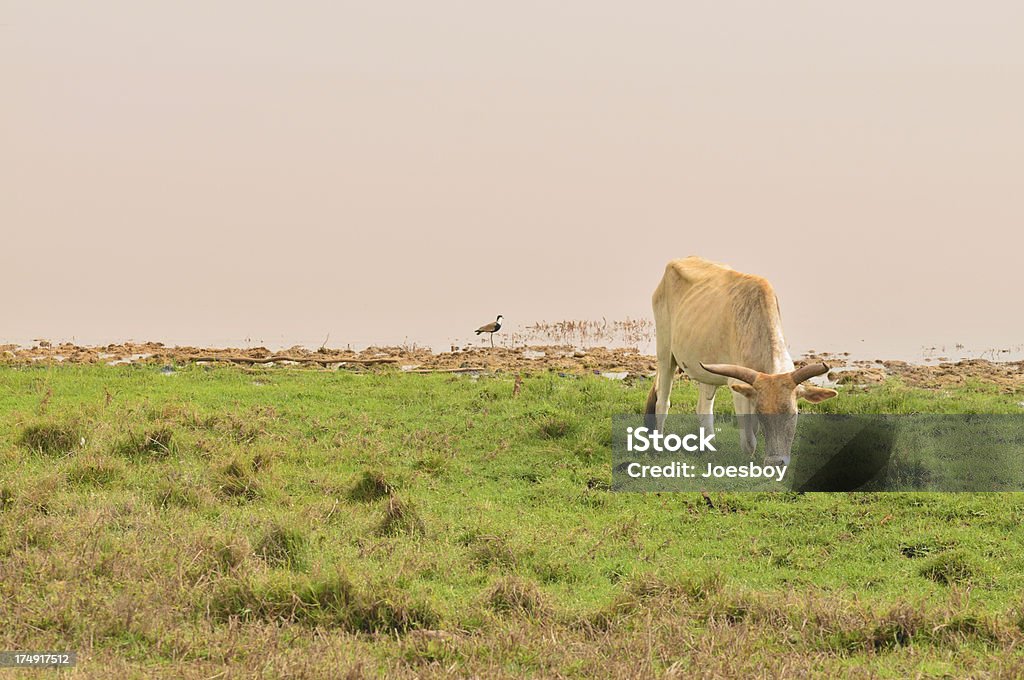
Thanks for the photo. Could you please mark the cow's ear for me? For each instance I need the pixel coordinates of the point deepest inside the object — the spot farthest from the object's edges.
(744, 389)
(815, 394)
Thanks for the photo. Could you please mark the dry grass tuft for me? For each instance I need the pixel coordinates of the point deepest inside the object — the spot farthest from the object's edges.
(237, 479)
(949, 568)
(515, 595)
(332, 601)
(6, 498)
(179, 490)
(244, 428)
(38, 495)
(213, 555)
(52, 439)
(386, 607)
(154, 443)
(371, 486)
(694, 587)
(95, 470)
(552, 427)
(282, 546)
(492, 551)
(262, 460)
(400, 517)
(646, 587)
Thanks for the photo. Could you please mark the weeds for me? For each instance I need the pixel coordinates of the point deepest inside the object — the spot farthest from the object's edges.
(154, 443)
(52, 439)
(95, 470)
(399, 518)
(282, 546)
(332, 601)
(949, 568)
(371, 486)
(6, 498)
(237, 479)
(492, 551)
(515, 595)
(553, 427)
(182, 491)
(588, 333)
(214, 555)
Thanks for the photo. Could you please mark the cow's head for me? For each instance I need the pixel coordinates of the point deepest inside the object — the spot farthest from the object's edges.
(774, 396)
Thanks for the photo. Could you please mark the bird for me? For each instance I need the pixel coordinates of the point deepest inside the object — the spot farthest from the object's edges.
(491, 328)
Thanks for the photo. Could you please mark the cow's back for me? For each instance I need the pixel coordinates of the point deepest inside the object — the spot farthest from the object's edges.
(715, 314)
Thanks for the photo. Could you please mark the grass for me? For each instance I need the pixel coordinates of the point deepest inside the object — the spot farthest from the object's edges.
(282, 546)
(516, 595)
(50, 438)
(154, 442)
(370, 487)
(305, 523)
(400, 518)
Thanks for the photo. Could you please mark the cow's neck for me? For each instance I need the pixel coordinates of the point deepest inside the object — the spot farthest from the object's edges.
(767, 357)
(781, 361)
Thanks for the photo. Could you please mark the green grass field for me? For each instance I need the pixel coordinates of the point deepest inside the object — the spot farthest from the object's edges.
(226, 522)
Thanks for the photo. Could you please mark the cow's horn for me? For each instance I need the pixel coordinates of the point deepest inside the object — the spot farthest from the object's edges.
(747, 375)
(809, 371)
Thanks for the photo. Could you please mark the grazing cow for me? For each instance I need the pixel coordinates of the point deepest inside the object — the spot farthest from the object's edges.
(723, 327)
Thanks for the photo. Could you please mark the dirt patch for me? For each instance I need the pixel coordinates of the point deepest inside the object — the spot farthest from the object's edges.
(534, 359)
(613, 363)
(524, 359)
(1008, 375)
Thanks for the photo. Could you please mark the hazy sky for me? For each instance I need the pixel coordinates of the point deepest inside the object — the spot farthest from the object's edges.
(211, 172)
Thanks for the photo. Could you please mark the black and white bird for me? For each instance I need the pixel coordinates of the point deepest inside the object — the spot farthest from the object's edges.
(491, 328)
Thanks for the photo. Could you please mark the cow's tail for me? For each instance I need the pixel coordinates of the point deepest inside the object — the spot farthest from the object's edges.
(652, 405)
(652, 398)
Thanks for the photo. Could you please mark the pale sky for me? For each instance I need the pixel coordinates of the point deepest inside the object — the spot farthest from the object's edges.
(222, 172)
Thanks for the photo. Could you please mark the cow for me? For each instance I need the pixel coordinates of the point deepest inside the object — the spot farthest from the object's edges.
(723, 327)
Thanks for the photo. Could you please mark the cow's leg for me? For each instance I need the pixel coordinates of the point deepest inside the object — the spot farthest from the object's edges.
(747, 418)
(706, 406)
(666, 372)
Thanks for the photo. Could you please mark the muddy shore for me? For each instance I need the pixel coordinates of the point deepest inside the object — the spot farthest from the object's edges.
(613, 363)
